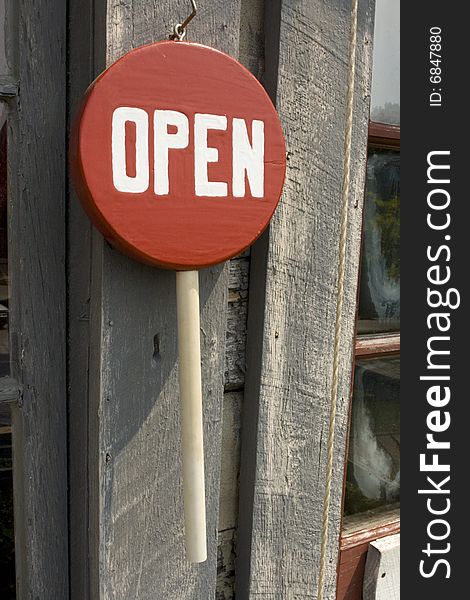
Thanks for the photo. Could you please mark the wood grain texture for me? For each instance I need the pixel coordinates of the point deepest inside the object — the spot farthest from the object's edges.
(226, 561)
(252, 57)
(8, 86)
(382, 573)
(290, 342)
(36, 173)
(134, 517)
(367, 346)
(230, 460)
(228, 498)
(10, 390)
(237, 313)
(86, 59)
(252, 36)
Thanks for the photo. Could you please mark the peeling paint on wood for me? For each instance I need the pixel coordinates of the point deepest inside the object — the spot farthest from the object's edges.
(226, 558)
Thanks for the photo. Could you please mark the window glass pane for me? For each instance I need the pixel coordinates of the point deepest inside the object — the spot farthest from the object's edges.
(379, 295)
(373, 475)
(385, 97)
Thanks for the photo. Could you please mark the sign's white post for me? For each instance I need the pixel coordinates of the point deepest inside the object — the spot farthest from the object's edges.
(189, 350)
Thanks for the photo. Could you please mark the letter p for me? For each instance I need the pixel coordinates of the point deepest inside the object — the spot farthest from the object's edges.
(163, 141)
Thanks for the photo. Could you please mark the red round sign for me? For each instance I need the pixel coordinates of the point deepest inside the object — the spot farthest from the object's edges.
(178, 155)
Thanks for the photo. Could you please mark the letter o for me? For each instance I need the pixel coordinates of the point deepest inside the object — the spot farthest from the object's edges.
(438, 191)
(438, 522)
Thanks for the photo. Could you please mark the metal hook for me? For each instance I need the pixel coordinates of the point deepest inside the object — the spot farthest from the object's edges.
(179, 30)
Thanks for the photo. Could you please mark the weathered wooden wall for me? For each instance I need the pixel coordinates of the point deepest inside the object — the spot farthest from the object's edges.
(267, 322)
(126, 540)
(125, 432)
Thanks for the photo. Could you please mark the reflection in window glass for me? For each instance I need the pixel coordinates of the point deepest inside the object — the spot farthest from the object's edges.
(385, 97)
(379, 300)
(373, 476)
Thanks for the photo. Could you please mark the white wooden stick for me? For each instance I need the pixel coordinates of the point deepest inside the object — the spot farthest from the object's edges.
(189, 350)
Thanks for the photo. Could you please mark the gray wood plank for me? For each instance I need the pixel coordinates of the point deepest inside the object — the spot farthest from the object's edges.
(230, 460)
(37, 168)
(135, 518)
(229, 485)
(239, 269)
(252, 57)
(293, 301)
(10, 390)
(86, 59)
(8, 86)
(252, 36)
(382, 571)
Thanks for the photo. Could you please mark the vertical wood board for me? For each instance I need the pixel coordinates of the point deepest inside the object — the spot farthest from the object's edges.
(36, 174)
(86, 59)
(290, 342)
(382, 572)
(235, 344)
(251, 56)
(229, 485)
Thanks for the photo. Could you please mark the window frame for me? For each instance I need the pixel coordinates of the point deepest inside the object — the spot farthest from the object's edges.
(354, 545)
